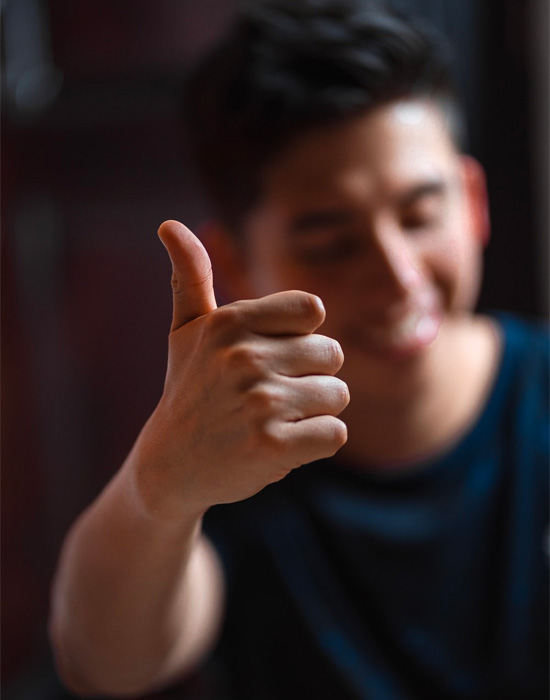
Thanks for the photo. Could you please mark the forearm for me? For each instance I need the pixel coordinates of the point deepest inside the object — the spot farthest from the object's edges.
(136, 598)
(250, 394)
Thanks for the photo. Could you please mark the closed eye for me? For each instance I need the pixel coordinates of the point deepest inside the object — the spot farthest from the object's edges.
(421, 221)
(423, 207)
(318, 220)
(321, 250)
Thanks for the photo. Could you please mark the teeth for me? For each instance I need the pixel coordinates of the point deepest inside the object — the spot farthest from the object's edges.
(407, 328)
(416, 326)
(426, 329)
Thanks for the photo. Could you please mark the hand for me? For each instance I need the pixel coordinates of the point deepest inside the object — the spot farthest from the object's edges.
(249, 392)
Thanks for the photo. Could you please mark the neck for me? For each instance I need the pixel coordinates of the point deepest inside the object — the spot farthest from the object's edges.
(449, 393)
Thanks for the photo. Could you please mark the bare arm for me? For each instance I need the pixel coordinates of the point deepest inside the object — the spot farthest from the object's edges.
(136, 601)
(249, 395)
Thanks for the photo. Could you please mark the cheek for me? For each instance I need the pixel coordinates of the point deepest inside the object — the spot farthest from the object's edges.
(470, 280)
(265, 272)
(272, 271)
(456, 270)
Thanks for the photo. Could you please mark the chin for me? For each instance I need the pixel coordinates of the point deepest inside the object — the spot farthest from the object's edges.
(378, 371)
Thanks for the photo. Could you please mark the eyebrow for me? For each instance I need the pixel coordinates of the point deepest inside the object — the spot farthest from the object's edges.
(326, 218)
(431, 188)
(321, 218)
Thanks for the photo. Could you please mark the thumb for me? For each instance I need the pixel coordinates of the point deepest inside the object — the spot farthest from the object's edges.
(192, 283)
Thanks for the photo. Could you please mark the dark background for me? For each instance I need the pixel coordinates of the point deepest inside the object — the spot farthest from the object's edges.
(91, 166)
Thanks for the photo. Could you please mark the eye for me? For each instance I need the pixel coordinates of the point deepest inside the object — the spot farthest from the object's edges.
(424, 219)
(337, 249)
(417, 223)
(424, 215)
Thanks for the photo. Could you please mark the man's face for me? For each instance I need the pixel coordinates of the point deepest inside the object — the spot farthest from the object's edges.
(376, 216)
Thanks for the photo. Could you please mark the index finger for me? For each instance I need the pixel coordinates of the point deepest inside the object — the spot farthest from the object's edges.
(283, 313)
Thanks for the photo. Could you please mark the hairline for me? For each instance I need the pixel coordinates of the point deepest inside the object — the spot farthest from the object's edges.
(446, 104)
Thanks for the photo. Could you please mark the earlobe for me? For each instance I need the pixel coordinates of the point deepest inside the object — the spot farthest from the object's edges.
(228, 260)
(476, 191)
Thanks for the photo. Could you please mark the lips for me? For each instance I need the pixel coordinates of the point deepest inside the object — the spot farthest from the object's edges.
(402, 336)
(418, 326)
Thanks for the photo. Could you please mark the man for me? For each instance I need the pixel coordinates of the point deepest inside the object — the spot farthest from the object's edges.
(347, 223)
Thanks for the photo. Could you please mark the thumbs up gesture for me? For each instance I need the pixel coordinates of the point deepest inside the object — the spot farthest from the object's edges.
(250, 391)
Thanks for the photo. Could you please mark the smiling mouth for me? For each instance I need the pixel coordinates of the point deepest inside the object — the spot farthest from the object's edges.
(402, 338)
(417, 326)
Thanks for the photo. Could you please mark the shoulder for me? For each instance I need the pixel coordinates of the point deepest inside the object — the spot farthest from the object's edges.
(521, 394)
(523, 336)
(514, 425)
(525, 352)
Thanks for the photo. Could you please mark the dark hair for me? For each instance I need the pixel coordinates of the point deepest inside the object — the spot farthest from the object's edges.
(287, 66)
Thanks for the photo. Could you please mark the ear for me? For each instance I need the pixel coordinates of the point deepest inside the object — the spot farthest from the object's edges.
(478, 202)
(228, 260)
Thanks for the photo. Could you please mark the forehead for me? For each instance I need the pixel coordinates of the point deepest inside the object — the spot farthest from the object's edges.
(390, 147)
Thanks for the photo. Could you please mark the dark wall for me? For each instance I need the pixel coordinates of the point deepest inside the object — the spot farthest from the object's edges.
(499, 51)
(90, 167)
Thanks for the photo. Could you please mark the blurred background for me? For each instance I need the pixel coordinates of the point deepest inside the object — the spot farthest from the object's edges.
(91, 165)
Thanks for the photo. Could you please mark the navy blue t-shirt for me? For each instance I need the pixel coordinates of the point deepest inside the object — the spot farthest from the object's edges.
(433, 584)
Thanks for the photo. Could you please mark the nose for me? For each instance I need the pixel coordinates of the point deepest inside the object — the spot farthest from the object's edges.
(393, 269)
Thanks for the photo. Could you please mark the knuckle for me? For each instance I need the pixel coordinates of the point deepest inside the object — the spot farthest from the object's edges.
(309, 305)
(337, 394)
(343, 393)
(224, 324)
(334, 354)
(264, 400)
(245, 358)
(225, 317)
(272, 438)
(339, 434)
(268, 440)
(315, 306)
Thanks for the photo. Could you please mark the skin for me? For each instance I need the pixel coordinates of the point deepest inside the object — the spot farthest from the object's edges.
(249, 396)
(384, 221)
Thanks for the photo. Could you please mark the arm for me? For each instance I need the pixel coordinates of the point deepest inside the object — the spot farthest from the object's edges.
(249, 395)
(124, 579)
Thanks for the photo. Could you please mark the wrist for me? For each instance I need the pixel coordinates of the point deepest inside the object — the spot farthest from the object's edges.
(158, 482)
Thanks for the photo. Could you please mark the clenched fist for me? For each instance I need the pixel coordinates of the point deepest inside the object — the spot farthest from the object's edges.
(250, 391)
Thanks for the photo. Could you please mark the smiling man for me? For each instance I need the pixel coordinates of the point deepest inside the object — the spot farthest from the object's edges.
(406, 559)
(384, 220)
